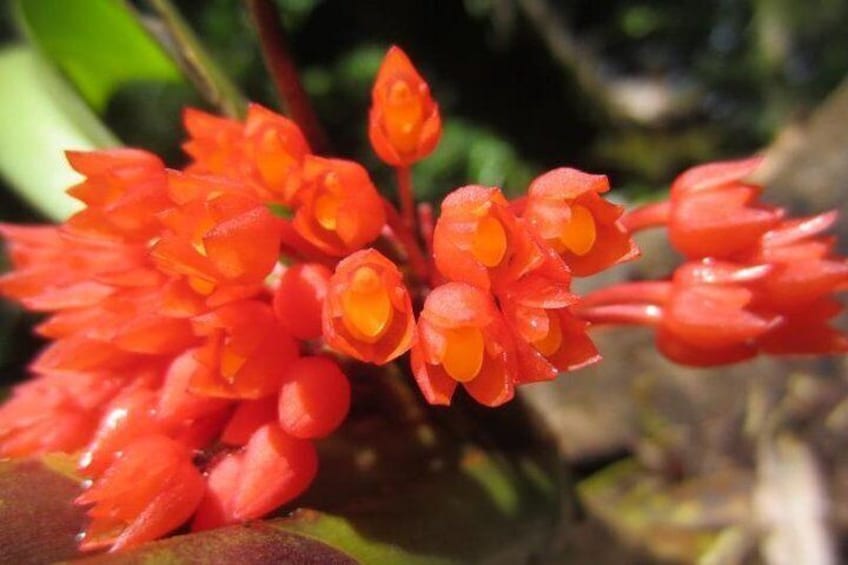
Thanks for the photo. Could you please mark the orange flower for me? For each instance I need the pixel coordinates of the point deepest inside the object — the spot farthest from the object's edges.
(805, 268)
(247, 418)
(705, 316)
(479, 241)
(338, 210)
(245, 354)
(404, 124)
(55, 412)
(129, 416)
(214, 144)
(223, 241)
(123, 192)
(367, 311)
(269, 471)
(462, 338)
(565, 208)
(299, 299)
(275, 148)
(175, 403)
(548, 341)
(805, 275)
(131, 319)
(706, 324)
(150, 490)
(265, 152)
(314, 398)
(715, 213)
(55, 270)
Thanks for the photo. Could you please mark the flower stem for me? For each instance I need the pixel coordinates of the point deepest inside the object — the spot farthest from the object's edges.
(647, 216)
(620, 314)
(653, 292)
(406, 238)
(427, 225)
(407, 201)
(275, 51)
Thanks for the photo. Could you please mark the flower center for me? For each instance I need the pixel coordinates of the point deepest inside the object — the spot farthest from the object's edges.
(327, 204)
(273, 161)
(551, 341)
(578, 235)
(489, 242)
(366, 306)
(231, 363)
(463, 357)
(403, 115)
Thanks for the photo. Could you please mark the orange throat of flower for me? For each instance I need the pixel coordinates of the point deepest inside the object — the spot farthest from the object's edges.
(464, 353)
(366, 306)
(328, 202)
(578, 235)
(548, 344)
(489, 243)
(404, 115)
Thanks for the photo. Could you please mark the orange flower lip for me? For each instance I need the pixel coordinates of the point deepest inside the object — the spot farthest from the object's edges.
(478, 240)
(463, 339)
(368, 311)
(367, 306)
(565, 209)
(463, 354)
(338, 209)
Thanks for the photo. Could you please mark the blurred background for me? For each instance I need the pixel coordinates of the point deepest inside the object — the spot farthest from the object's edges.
(638, 90)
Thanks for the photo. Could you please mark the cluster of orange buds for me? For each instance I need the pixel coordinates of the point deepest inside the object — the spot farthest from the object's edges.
(200, 319)
(753, 281)
(168, 341)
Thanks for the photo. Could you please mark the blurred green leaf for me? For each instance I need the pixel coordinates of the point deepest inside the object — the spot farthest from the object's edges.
(98, 44)
(41, 117)
(673, 521)
(470, 154)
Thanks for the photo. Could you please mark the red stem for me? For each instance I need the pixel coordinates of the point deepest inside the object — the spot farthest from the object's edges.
(417, 262)
(619, 314)
(275, 51)
(651, 292)
(407, 200)
(647, 216)
(427, 225)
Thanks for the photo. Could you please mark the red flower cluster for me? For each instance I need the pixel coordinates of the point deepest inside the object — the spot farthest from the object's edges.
(167, 339)
(199, 317)
(753, 280)
(504, 317)
(189, 369)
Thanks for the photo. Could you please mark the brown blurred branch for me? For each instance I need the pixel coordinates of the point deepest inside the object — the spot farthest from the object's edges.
(278, 60)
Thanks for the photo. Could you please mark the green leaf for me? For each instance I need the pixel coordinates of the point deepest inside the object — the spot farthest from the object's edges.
(99, 45)
(674, 521)
(41, 117)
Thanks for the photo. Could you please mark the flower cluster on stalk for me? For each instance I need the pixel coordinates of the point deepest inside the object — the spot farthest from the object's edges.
(753, 281)
(200, 320)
